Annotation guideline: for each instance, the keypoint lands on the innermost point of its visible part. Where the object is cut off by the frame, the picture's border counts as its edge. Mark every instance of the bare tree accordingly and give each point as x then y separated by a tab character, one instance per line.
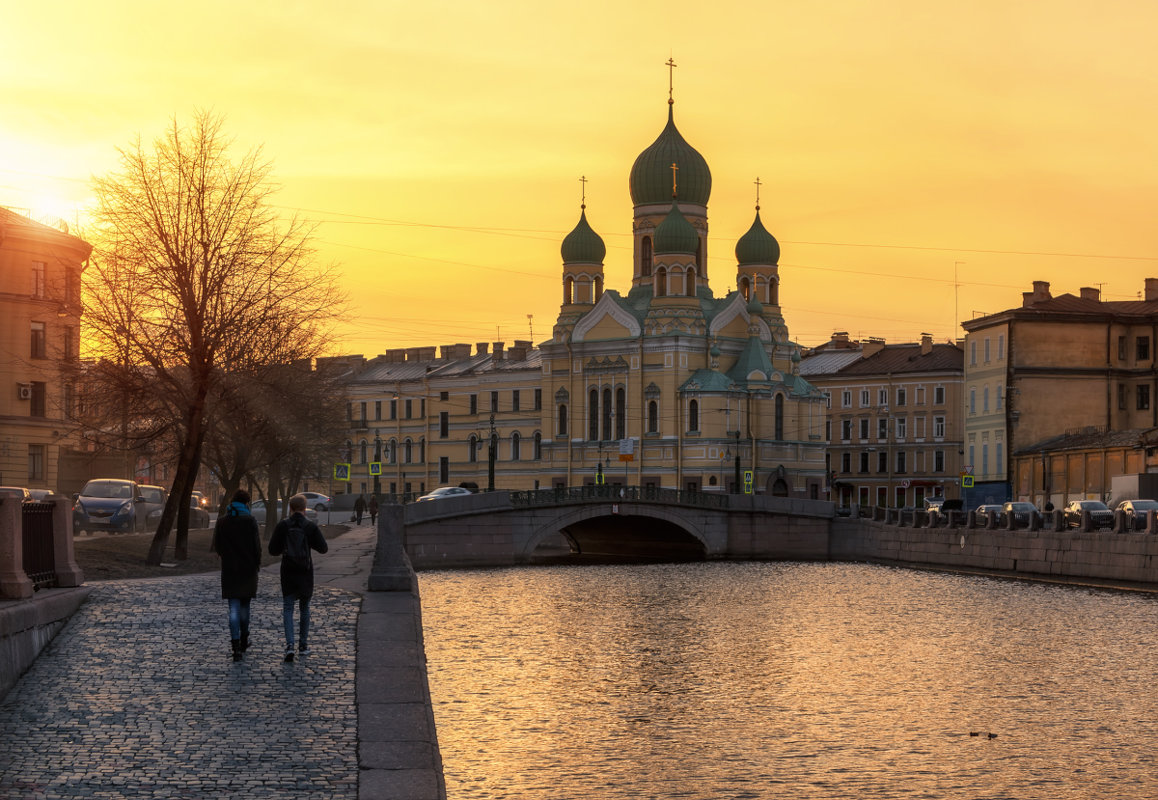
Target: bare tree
194	276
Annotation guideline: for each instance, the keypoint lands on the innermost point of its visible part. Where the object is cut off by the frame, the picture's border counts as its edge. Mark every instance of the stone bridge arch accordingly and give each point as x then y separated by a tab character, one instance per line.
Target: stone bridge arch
561	518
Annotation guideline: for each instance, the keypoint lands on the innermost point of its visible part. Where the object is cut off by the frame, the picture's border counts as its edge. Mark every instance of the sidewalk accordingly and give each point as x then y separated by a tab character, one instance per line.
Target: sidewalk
137	697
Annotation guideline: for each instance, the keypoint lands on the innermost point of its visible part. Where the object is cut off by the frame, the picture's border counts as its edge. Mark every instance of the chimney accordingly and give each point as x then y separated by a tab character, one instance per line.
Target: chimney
1091	293
1040	292
518	351
395	356
498	351
871	346
926	343
839	340
482	348
1151	289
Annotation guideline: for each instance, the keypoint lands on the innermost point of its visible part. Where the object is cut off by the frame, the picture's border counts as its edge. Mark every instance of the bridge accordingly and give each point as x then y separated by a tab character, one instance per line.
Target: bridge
612	523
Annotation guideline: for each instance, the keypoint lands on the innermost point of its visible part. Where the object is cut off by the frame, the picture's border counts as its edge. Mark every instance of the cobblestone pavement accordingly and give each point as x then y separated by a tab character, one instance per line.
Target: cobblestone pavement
138	697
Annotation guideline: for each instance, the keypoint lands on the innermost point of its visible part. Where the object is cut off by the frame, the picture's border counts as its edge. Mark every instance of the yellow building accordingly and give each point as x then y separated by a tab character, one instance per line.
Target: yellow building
665	385
40	271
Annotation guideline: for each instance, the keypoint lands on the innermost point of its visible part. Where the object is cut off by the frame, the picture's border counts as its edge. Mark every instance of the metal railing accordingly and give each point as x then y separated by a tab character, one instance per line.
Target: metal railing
38	546
618	494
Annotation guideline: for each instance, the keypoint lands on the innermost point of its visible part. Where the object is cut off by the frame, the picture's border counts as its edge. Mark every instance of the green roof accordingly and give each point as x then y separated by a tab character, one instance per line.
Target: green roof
757	246
676	235
651	174
583	245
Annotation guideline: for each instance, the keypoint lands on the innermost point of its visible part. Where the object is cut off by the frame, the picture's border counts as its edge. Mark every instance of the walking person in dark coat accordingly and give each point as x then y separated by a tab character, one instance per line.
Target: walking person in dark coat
293	539
359	508
372	507
237	541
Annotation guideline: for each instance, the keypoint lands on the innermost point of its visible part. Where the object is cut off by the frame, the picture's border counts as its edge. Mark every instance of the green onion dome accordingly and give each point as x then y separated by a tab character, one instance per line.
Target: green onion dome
583	245
675	235
651	174
755	307
757	246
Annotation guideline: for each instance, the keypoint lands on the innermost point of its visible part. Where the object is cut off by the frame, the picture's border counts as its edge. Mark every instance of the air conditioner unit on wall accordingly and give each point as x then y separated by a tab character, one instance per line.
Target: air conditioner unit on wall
24	391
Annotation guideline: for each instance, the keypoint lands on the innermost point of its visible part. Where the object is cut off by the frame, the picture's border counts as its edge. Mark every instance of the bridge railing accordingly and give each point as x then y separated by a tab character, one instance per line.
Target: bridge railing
618	494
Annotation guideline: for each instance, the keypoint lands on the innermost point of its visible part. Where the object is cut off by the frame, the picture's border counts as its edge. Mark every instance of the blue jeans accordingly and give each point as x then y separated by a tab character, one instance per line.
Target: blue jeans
238	616
287	612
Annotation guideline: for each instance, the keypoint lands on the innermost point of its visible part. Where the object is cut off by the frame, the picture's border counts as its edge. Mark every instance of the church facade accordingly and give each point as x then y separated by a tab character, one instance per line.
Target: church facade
664	385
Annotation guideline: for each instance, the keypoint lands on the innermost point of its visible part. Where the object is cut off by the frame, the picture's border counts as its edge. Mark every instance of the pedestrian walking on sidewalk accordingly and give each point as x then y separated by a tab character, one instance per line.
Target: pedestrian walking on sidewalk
359	508
237	542
372	507
293	539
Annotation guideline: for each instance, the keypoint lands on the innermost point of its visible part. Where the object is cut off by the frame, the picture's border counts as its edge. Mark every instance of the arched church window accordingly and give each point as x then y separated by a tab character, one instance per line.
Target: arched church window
538	454
472	443
690	282
652	417
774	292
779	417
746	288
593	415
393	451
408	452
516	446
645	257
660	282
362	452
693	415
562	419
607	413
568	290
598	287
620	413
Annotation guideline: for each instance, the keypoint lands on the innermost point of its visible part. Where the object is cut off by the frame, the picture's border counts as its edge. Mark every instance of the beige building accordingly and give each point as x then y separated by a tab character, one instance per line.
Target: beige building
1055	374
40	306
663	385
894	424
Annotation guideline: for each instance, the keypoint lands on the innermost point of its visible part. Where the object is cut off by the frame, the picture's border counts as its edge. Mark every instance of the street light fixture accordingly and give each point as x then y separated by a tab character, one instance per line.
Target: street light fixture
491	457
378	461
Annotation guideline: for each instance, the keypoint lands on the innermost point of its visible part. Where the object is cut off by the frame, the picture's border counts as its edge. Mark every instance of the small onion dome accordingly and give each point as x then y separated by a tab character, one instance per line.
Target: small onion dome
757	246
675	235
583	245
651	177
796	356
714	352
755	306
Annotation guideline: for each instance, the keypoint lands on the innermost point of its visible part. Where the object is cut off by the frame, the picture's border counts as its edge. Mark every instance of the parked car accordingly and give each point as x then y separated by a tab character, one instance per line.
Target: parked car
109	504
986	509
1021	512
198	514
443	492
155	497
42	495
1135	511
317	501
1100	515
258	509
25	495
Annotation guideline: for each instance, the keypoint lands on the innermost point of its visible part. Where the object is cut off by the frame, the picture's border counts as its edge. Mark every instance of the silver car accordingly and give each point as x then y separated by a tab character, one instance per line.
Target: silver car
1135	511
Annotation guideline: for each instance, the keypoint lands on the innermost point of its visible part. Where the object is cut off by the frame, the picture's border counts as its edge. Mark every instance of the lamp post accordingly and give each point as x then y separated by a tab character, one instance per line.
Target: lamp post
491	457
378	461
738	484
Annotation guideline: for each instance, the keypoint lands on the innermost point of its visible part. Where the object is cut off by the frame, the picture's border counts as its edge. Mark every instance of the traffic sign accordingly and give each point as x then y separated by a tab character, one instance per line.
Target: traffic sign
341	472
748	481
375	467
966	481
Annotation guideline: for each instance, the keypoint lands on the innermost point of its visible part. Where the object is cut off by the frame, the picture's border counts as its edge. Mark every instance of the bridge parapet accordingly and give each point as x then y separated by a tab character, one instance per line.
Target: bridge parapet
618	494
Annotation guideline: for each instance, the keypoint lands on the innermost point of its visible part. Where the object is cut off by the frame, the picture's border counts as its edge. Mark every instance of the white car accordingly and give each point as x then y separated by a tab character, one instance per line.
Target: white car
317	501
444	491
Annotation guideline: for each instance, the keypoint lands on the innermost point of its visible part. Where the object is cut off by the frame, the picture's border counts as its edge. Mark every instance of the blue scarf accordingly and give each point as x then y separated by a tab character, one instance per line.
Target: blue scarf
238	509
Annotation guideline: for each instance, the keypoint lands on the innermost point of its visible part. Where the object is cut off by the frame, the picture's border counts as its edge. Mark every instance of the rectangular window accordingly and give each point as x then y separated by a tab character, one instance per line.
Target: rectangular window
864	428
919	427
39	348
1001	347
39	403
827	399
984	459
828	430
938	427
1143	348
902	396
985	400
494	401
38	272
920	395
997	453
377	409
443	424
864	462
986	349
1143	397
938	461
972	352
444	470
514	400
363	417
538	399
1000	396
350	411
422	408
473	404
846	462
882	461
1121	348
846	429
70	344
939	396
35	462
444	396
409	409
901	463
882	397
882	427
846	399
972	400
394	409
864	398
902	425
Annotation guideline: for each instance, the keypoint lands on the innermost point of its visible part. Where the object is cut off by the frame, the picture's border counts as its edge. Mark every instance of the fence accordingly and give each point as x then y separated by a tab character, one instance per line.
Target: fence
39	555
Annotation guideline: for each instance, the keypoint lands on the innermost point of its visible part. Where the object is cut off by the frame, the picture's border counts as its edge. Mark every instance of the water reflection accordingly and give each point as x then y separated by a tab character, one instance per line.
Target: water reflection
787	680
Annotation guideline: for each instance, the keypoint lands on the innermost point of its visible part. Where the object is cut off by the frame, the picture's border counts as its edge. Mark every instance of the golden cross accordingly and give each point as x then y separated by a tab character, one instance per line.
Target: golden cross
757	193
674	169
670	67
583	181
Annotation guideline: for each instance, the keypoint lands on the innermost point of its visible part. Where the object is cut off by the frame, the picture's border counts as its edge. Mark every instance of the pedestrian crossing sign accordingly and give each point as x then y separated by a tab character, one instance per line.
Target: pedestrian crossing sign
966	481
375	467
341	472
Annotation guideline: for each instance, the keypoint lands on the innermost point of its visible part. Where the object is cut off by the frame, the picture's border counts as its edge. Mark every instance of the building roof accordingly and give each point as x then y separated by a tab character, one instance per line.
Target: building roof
1093	438
757	246
1069	305
827	362
901	358
651	174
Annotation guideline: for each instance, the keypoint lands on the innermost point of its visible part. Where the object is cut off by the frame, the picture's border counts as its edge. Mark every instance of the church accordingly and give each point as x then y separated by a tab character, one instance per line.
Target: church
664	385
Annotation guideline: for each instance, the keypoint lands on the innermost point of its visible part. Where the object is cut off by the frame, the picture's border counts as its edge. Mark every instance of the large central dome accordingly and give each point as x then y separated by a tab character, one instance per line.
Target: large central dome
651	174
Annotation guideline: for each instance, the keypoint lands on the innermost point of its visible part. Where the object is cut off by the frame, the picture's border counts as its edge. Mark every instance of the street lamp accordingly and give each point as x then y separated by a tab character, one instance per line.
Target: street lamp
738	484
491	457
378	461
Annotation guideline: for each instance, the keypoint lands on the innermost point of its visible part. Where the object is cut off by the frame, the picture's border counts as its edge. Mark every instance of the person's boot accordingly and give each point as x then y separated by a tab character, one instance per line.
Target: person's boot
244	638
236	649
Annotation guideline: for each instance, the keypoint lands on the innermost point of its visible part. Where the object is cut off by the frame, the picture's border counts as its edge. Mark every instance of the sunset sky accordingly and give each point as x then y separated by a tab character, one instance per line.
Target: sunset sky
440	144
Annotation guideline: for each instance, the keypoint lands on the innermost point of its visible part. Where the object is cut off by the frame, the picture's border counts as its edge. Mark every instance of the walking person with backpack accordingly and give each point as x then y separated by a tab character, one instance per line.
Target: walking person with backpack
237	542
293	539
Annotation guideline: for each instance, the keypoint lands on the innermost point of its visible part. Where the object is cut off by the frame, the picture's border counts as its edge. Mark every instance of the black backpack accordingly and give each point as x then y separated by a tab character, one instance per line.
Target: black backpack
297	544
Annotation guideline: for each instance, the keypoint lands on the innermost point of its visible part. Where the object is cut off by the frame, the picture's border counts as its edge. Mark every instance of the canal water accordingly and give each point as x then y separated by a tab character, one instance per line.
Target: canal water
788	680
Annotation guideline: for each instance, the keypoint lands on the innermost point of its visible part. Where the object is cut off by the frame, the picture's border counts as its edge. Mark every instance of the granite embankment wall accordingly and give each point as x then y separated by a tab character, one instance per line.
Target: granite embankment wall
1097	555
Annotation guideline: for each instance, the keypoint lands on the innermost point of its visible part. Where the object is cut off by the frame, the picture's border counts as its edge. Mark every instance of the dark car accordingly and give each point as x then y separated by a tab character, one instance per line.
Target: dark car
1135	511
1101	517
198	515
988	509
1021	512
443	492
109	504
